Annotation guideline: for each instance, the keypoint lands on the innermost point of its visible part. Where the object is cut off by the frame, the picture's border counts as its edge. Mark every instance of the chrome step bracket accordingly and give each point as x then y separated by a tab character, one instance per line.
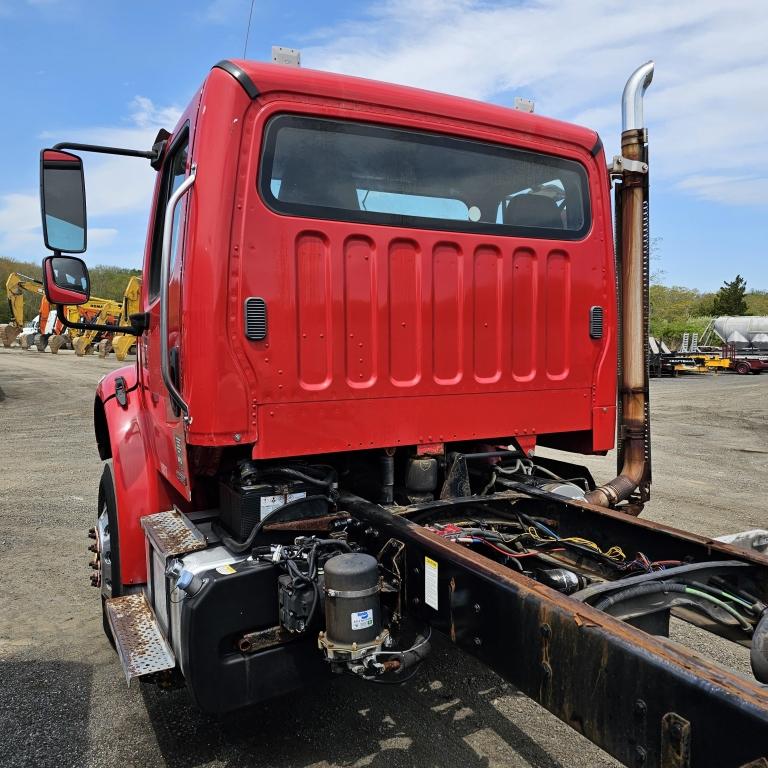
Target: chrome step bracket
171	533
140	644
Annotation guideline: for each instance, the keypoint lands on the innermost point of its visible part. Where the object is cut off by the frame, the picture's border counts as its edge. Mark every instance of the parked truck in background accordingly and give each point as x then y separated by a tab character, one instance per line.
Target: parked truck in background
363	308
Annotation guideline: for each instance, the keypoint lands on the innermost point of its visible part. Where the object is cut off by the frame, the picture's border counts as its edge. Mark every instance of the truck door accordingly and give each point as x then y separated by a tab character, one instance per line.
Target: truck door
167	422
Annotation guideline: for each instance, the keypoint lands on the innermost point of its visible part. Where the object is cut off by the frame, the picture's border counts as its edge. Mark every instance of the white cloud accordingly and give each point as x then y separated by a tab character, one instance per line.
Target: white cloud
706	108
226	12
737	190
114	185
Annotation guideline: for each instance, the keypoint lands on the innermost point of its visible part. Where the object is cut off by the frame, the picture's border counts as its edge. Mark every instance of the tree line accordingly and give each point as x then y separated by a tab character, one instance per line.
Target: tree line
106	283
675	310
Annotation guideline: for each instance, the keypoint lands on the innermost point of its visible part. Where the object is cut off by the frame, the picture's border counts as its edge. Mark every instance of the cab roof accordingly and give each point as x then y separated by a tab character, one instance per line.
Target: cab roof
260	78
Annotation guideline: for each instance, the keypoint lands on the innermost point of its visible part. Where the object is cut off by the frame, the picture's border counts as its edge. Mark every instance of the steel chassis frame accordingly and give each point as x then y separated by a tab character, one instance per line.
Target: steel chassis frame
645	700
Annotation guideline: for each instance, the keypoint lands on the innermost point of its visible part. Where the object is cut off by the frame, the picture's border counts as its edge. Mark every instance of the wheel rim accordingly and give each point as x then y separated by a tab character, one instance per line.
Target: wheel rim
104	551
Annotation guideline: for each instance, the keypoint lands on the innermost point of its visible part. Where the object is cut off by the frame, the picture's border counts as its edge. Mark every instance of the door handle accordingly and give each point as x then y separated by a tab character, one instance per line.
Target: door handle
165	269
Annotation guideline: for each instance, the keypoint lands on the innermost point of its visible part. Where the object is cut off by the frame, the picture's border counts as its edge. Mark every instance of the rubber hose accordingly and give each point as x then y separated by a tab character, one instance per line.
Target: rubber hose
758	653
325	482
640	589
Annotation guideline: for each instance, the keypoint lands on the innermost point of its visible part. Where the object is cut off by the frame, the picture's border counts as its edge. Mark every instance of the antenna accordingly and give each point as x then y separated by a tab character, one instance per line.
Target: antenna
248	30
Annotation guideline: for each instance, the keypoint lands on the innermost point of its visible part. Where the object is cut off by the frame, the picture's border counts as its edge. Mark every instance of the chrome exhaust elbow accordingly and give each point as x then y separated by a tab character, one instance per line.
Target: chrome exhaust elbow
632	98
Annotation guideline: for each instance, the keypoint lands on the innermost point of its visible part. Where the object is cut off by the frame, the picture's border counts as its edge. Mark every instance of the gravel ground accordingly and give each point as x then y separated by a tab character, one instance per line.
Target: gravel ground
63	699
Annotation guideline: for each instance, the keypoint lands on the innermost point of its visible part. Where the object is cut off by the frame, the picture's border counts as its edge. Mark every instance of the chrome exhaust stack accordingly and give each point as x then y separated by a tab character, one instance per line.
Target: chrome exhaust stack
632	98
632	484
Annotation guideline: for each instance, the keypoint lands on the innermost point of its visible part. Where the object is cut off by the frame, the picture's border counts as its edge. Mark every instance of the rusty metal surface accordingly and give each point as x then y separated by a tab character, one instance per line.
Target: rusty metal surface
675	741
319	523
611	682
140	645
251	642
172	534
633	480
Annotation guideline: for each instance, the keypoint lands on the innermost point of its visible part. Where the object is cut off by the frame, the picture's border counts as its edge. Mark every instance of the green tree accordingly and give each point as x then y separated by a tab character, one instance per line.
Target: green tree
757	303
731	298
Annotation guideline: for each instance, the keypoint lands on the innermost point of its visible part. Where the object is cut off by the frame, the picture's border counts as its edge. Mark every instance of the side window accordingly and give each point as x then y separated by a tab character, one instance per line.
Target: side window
174	173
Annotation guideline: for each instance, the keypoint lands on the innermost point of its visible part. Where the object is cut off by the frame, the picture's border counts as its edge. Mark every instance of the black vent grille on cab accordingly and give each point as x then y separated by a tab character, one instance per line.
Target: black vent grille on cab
596	323
255	319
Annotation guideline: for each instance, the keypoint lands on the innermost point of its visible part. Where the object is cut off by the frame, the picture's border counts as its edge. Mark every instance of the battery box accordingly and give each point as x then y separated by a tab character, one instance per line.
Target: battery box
241	507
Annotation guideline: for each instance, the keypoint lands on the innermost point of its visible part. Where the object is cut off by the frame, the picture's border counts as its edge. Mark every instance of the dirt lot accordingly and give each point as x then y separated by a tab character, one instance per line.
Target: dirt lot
63	699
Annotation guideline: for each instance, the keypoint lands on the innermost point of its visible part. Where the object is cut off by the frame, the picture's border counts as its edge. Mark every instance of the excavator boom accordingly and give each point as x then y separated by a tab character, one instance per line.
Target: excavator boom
15	287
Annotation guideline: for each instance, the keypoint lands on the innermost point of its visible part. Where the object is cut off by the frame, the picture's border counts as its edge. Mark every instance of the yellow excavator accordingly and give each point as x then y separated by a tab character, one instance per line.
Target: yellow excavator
95	310
121	343
15	286
99	311
48	330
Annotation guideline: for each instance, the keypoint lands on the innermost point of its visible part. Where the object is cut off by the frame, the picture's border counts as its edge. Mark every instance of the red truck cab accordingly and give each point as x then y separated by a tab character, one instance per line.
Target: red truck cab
362	266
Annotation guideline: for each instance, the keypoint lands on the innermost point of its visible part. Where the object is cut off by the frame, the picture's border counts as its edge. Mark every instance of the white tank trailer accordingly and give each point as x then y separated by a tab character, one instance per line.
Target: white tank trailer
742	331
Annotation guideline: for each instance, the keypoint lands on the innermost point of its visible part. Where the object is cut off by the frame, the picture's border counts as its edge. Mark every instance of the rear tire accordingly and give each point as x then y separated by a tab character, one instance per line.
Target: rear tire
743	368
108	544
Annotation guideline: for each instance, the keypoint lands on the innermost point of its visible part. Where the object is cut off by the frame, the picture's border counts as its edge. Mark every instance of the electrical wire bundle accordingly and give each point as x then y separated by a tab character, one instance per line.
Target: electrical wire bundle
534	538
301	561
642	563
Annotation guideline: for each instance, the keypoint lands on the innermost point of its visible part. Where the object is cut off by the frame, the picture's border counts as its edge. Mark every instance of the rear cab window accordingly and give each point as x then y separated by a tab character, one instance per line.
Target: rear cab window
338	169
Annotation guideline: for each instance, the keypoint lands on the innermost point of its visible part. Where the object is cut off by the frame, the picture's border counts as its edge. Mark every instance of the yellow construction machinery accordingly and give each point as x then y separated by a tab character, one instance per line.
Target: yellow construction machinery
121	343
99	311
15	286
49	331
46	329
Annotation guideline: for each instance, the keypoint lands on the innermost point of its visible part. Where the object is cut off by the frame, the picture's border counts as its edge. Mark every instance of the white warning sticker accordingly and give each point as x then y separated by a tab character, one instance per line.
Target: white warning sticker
430	582
271	503
362	619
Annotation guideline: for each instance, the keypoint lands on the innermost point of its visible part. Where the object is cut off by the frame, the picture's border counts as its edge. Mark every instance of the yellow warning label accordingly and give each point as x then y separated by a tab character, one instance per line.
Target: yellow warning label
225	569
430	582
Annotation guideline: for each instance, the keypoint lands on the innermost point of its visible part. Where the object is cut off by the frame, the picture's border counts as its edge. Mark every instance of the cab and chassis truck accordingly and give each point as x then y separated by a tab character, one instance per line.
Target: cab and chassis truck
363	308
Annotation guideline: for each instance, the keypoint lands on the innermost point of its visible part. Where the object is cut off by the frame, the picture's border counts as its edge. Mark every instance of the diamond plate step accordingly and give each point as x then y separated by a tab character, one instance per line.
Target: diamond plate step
171	533
140	644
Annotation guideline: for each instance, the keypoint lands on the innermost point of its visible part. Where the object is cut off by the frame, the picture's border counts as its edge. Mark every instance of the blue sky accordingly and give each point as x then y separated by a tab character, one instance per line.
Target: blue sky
111	72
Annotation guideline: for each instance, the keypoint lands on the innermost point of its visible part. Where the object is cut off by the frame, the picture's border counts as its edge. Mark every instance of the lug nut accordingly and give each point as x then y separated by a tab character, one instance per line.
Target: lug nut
92	548
91	533
95	579
94	563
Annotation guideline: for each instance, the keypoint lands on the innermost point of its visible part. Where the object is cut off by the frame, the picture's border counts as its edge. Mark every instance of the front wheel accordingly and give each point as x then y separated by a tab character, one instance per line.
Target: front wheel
107	561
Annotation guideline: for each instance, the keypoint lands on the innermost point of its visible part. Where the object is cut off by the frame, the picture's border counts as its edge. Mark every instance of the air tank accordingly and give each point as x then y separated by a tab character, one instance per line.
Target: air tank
352	605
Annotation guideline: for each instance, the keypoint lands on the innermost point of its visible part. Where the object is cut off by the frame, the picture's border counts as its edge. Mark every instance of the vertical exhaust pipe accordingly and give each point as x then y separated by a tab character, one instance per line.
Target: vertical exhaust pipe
632	228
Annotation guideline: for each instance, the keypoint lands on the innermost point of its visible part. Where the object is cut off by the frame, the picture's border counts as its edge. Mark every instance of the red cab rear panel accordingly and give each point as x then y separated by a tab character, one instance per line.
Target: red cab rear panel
383	335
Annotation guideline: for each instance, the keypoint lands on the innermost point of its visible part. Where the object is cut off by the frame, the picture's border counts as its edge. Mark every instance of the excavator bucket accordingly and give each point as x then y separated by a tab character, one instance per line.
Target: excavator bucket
55	343
82	346
122	345
105	347
9	334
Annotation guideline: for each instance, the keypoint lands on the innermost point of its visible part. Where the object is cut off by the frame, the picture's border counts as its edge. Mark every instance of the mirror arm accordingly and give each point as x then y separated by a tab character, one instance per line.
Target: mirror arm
131	330
151	154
